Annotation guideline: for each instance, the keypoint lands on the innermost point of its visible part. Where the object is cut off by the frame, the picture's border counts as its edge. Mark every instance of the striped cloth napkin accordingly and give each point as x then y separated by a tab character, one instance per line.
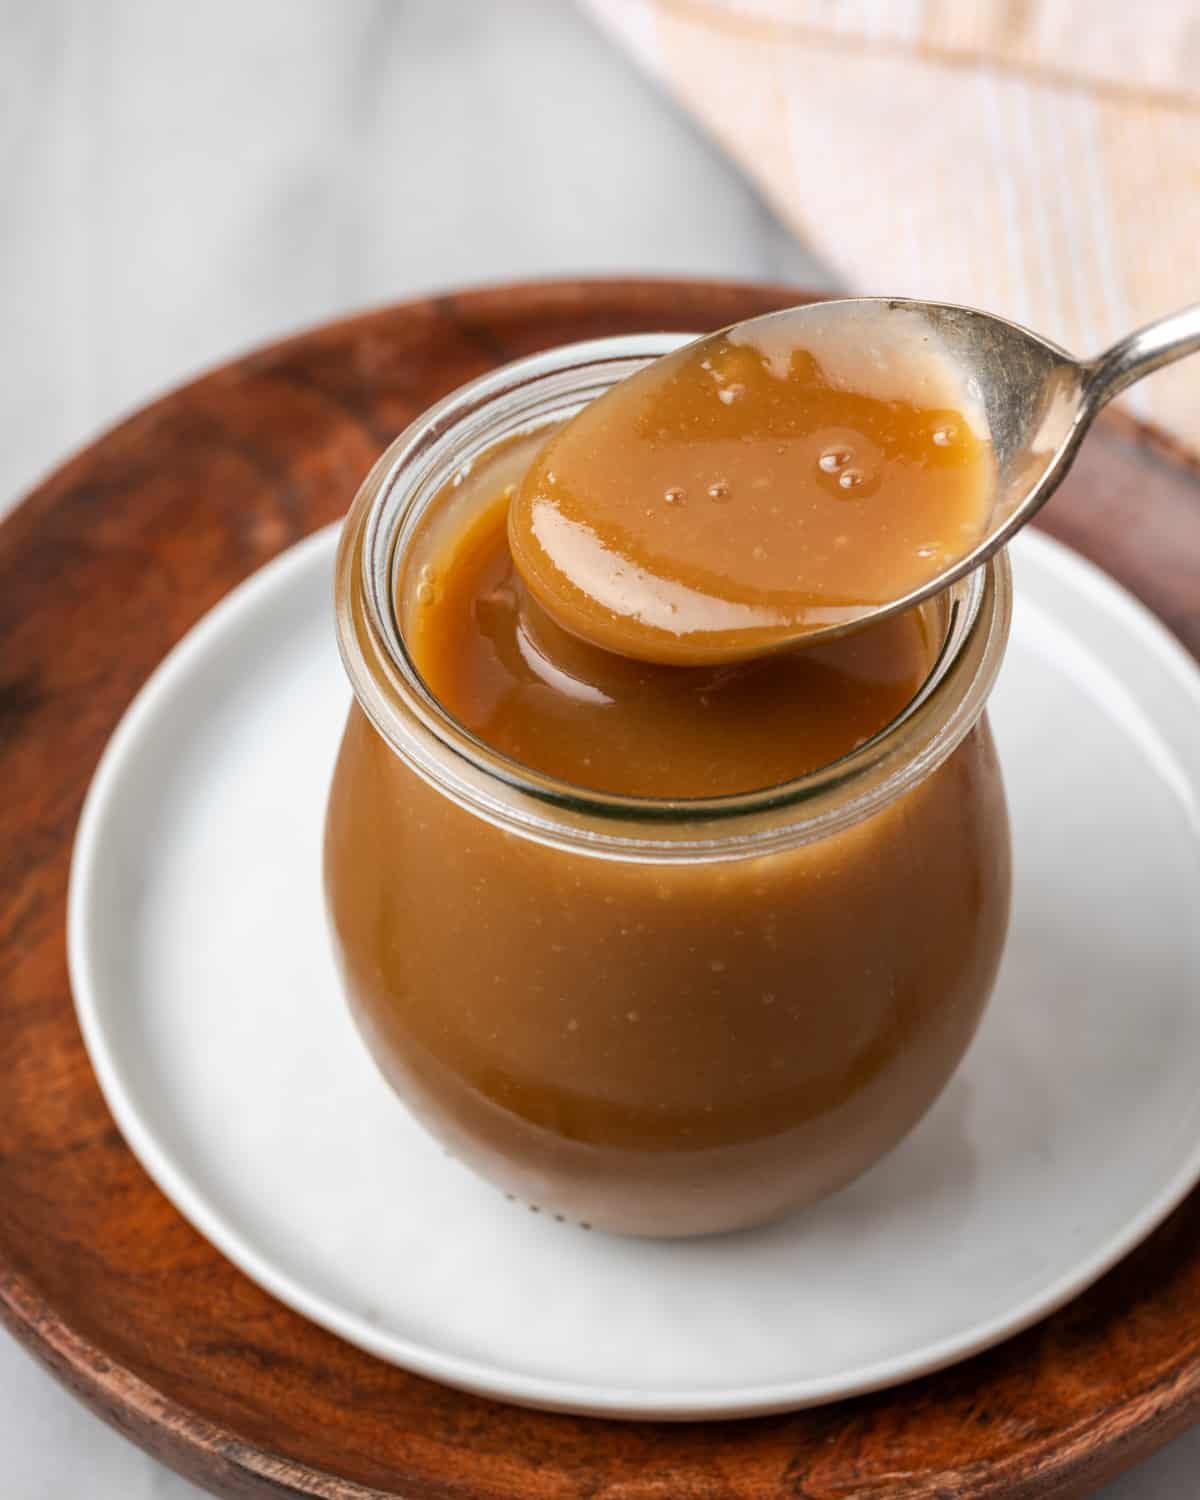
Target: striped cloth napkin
1037	158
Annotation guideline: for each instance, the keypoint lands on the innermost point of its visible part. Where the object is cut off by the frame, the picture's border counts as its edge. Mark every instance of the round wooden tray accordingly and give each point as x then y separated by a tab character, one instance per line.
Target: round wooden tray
103	569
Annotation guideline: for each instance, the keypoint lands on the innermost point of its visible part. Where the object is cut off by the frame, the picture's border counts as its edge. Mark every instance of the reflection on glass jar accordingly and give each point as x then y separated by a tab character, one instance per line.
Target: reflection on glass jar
652	1016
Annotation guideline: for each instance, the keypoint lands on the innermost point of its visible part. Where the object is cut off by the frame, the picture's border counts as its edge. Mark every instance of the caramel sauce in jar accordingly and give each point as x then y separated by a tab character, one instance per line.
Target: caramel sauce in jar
661	950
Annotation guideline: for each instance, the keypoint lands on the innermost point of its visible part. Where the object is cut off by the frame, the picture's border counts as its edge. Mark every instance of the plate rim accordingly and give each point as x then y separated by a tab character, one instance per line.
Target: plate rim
481	1377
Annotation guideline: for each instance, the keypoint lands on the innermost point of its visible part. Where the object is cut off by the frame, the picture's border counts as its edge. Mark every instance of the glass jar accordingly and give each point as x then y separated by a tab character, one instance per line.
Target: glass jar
659	1017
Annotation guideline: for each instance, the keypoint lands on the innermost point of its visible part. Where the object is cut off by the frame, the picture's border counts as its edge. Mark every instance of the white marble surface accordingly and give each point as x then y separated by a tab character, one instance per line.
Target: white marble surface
178	182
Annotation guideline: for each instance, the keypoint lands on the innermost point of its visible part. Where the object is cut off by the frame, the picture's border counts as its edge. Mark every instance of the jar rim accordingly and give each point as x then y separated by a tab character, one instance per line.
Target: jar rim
542	389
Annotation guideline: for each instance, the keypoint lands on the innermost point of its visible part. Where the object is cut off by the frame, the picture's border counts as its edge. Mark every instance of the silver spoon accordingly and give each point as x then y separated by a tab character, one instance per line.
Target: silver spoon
1039	402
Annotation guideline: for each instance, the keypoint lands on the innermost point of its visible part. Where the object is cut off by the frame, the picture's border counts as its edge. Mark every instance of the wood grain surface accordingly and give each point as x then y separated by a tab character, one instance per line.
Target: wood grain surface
102	570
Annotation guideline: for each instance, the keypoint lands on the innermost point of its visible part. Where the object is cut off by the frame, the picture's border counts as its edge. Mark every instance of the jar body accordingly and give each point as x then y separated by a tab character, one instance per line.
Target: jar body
666	1048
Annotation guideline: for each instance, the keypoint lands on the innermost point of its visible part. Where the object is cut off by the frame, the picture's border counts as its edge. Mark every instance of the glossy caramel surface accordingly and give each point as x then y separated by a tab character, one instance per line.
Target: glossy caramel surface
753	486
519	682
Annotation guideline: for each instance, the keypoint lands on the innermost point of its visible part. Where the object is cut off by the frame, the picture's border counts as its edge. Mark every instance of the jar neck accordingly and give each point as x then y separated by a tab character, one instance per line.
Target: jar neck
544	390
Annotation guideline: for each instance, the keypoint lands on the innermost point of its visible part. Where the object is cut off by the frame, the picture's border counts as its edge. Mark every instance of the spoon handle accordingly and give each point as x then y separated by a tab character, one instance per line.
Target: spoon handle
1147	349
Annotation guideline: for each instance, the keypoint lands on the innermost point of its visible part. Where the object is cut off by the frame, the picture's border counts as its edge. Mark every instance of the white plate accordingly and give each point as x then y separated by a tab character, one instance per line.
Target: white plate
208	999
